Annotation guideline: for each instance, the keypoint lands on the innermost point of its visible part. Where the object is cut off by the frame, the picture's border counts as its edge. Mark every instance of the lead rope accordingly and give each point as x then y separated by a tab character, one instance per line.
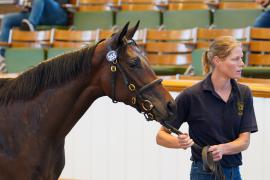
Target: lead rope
208	163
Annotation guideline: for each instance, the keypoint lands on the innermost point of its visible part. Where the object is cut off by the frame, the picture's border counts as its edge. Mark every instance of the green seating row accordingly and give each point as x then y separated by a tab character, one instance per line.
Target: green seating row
181	19
21	59
166	70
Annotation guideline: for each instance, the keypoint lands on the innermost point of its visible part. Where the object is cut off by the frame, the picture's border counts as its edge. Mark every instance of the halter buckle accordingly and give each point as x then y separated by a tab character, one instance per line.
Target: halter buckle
133	100
149	116
147	105
131	87
113	68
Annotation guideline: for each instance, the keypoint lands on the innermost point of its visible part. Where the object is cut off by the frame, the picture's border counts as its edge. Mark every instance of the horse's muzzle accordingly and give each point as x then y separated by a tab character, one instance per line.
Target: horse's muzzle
171	108
170	112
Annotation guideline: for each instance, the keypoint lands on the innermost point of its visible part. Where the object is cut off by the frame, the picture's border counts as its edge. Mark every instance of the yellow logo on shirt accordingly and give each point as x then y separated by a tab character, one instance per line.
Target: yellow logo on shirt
240	108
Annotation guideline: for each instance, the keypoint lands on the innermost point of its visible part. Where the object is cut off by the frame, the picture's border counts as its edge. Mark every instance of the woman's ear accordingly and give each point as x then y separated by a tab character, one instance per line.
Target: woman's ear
216	61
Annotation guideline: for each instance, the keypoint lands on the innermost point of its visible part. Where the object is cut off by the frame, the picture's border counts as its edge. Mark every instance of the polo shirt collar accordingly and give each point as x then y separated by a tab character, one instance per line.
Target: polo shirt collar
207	85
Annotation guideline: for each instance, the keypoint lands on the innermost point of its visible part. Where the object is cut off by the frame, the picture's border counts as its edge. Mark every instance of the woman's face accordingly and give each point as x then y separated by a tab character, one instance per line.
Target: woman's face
232	65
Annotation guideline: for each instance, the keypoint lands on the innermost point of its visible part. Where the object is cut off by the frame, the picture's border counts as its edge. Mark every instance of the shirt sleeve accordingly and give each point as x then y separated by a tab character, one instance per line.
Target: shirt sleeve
182	108
248	123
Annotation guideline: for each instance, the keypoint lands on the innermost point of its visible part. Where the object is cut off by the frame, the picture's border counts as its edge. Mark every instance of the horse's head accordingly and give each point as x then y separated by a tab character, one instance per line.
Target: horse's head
130	79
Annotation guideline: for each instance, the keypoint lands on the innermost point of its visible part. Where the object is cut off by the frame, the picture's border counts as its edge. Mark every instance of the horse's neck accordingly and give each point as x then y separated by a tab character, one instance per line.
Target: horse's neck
67	104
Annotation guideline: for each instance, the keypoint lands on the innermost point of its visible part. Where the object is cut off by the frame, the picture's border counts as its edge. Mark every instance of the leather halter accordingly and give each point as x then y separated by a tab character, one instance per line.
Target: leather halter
143	105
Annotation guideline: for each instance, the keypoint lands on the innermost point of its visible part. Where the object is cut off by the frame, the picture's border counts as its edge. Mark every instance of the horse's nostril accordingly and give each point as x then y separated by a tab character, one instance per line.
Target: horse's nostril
171	107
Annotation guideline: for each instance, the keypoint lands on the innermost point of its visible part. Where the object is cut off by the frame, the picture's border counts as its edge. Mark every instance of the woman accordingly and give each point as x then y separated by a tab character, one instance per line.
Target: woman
218	110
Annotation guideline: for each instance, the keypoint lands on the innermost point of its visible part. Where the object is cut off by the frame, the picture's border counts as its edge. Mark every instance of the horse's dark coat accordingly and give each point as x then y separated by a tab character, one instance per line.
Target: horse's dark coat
40	107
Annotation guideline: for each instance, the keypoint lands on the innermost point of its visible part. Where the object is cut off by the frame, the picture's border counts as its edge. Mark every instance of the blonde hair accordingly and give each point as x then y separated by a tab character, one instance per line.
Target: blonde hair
220	47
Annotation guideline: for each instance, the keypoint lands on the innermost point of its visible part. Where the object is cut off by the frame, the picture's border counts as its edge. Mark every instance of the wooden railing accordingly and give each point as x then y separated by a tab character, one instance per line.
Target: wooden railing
259	87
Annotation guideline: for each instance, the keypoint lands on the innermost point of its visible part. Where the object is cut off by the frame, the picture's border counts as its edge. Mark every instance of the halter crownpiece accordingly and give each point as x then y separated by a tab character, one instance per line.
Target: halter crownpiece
111	56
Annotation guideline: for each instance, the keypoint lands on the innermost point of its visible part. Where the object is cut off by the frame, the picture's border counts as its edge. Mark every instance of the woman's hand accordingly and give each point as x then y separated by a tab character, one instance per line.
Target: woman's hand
217	152
185	141
238	145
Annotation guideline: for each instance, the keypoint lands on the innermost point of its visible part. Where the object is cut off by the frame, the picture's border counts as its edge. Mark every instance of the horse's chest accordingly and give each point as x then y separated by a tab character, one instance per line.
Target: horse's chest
33	163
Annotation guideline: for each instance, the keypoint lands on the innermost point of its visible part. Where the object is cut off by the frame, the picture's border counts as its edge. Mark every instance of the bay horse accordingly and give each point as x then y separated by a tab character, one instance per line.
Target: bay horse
41	106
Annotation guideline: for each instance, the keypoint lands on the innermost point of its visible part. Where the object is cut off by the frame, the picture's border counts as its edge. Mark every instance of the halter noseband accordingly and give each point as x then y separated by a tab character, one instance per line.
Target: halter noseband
141	104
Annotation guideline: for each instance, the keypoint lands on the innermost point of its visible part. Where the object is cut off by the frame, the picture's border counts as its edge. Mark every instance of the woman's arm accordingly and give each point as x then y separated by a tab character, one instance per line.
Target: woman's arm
164	138
234	147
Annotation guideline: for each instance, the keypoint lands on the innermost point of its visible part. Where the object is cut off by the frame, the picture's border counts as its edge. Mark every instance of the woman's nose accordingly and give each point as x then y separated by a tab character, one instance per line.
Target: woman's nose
242	64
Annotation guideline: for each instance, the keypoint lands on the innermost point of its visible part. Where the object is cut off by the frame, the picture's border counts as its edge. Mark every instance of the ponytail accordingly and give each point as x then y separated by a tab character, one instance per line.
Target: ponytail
205	62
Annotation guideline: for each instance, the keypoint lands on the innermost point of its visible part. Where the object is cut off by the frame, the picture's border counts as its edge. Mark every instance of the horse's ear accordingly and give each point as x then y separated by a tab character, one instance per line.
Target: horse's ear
132	31
119	36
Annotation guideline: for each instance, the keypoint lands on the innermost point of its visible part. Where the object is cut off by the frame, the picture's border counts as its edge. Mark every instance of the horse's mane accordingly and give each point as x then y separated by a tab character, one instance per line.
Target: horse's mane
47	74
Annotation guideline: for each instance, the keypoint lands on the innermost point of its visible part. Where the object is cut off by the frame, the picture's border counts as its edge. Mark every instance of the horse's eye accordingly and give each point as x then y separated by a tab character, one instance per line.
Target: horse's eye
134	62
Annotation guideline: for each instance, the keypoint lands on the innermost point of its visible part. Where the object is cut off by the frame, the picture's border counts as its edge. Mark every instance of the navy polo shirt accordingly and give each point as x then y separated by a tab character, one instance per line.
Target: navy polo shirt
213	121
